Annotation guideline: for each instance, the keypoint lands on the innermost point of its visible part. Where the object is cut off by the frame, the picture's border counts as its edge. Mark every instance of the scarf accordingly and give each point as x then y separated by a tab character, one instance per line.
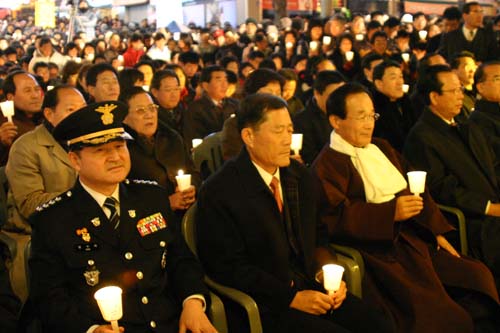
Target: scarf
381	179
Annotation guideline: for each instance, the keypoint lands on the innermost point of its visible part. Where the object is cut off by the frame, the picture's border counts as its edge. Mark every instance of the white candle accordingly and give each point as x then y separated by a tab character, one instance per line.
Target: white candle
327	40
196	142
349	55
313	45
119	68
416	180
422	34
109	300
405	56
289	45
90	56
183	180
332	277
145	87
7	109
406	88
78	60
120	58
360	37
296	144
49	88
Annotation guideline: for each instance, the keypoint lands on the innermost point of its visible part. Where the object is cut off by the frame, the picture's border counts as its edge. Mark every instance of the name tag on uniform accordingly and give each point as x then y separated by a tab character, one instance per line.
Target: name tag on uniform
151	224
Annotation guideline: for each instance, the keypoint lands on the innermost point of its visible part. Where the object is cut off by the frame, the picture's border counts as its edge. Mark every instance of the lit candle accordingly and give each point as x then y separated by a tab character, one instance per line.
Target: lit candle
416	180
422	34
405	56
406	88
289	45
332	277
49	88
349	55
360	37
183	180
313	45
145	87
109	300
327	40
120	58
196	142
296	144
7	109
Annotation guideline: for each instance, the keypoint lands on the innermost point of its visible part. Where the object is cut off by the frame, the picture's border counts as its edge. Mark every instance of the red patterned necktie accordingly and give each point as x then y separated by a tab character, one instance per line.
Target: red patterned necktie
275	188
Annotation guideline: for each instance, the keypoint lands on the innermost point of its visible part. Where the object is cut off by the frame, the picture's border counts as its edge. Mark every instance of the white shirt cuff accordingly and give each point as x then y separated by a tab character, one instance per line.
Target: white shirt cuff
197	296
92	328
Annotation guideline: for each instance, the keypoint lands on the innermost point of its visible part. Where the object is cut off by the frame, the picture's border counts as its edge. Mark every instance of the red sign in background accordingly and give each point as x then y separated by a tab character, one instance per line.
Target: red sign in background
294	5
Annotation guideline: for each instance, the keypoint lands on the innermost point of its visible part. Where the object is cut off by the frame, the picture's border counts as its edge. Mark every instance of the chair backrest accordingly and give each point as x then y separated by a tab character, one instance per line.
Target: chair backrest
189	228
207	156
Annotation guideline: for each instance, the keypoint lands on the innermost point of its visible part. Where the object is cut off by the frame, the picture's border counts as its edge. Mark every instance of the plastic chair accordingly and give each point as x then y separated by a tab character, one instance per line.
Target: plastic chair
462	227
239	297
354	266
207	157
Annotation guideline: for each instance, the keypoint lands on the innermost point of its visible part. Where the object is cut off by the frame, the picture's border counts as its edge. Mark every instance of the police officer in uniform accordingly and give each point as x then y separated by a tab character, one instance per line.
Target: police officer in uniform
108	230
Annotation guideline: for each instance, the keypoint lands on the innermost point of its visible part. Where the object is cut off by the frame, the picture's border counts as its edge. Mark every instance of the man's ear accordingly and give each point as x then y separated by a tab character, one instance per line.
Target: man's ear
432	96
378	84
334	121
74	159
247	136
91	90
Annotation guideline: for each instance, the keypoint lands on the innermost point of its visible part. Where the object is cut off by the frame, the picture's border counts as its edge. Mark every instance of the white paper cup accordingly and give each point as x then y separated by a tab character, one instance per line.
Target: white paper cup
416	181
296	144
7	109
360	37
406	88
405	56
183	181
109	300
349	55
289	45
49	88
145	87
196	142
332	277
327	40
422	34
313	45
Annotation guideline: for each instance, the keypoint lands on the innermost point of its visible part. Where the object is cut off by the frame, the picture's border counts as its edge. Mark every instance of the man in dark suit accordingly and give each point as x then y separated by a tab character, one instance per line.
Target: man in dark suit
207	114
258	231
487	109
312	122
471	36
459	162
106	231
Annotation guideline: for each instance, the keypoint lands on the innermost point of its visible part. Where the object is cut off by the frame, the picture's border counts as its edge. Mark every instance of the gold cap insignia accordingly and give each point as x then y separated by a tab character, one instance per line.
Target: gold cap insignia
107	116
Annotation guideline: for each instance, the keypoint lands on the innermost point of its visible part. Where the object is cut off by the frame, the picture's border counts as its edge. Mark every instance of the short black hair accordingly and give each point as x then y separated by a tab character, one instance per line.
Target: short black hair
325	78
452	13
268	63
373	25
160	75
129	93
260	78
377	34
189	57
40	64
379	70
366	63
467	6
128	77
52	97
206	72
97	69
232	78
224	61
254	107
455	59
336	103
480	75
428	81
256	54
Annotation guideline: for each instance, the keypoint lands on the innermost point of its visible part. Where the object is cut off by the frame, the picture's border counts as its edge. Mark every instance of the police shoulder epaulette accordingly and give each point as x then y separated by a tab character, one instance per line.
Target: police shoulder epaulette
141	181
53	201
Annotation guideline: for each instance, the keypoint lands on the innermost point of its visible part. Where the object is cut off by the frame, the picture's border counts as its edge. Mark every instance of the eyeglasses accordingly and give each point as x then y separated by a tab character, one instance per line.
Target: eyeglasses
171	90
151	108
367	117
455	91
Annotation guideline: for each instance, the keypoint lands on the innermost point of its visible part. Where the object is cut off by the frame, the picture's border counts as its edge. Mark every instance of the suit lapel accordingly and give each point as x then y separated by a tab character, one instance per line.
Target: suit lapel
92	215
290	187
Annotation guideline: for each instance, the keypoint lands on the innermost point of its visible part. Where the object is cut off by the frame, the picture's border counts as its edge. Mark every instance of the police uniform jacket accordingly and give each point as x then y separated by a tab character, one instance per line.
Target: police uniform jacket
76	251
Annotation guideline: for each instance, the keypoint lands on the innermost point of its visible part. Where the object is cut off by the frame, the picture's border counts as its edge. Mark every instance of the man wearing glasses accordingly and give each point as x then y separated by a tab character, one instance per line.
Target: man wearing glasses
472	36
460	163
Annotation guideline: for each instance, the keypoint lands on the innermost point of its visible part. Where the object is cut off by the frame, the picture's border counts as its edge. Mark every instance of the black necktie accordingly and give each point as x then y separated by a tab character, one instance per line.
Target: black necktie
111	204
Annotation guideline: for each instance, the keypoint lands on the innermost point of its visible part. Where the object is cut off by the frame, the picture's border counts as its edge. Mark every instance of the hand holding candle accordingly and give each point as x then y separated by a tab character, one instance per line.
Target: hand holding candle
296	145
416	180
183	180
109	300
7	109
332	277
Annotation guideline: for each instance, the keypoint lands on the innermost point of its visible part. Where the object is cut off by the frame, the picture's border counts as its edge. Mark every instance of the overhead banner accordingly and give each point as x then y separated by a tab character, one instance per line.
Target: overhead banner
45	13
293	5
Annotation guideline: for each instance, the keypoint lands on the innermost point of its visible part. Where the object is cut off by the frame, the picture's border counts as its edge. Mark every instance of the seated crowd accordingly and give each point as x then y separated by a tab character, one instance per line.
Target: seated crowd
103	129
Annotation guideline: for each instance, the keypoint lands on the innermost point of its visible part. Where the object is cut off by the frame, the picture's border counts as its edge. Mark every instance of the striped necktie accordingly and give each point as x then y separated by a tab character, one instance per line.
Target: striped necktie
112	204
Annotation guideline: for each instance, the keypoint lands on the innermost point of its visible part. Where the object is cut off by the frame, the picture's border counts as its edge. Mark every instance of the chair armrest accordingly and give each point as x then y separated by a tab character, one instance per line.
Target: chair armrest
217	313
242	299
352	275
351	253
462	227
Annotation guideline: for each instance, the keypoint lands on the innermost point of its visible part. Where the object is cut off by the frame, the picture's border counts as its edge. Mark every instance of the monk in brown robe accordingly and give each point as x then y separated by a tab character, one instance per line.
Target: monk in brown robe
412	272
